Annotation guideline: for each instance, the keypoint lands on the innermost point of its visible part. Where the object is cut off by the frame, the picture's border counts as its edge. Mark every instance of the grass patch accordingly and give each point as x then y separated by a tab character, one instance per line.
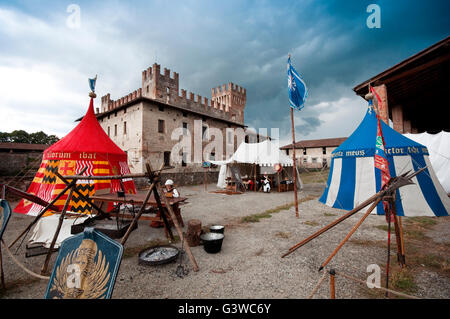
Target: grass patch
254	218
422	221
402	281
281	234
329	214
310	223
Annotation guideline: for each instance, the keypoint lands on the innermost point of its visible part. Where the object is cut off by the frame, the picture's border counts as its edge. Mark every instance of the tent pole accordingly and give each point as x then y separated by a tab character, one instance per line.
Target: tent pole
294	169
402	240
254	179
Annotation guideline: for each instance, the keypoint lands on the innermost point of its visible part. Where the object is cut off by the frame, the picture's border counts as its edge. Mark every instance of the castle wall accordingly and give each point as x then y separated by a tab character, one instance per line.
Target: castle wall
130	140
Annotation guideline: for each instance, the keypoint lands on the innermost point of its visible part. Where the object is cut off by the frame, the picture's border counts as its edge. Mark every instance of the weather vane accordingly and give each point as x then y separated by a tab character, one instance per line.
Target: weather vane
92	87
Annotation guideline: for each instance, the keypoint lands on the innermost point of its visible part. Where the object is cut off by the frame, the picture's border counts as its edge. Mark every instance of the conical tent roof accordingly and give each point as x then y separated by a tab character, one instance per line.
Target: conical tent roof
87	139
87	145
353	177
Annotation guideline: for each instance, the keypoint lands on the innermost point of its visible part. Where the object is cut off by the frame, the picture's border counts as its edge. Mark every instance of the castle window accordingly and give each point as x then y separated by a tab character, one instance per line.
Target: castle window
124	128
205	133
160	126
148	88
115	114
161	108
212	156
168	90
115	129
185	128
167	158
184	160
124	110
324	150
108	131
287	151
304	151
185	114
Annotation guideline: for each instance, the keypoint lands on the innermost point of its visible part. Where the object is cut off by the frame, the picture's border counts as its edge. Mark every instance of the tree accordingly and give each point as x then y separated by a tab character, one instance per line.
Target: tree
20	136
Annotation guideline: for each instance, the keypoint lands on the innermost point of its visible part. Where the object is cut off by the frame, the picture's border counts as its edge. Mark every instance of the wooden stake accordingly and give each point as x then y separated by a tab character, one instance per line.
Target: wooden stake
294	168
402	241
55	236
332	284
348	235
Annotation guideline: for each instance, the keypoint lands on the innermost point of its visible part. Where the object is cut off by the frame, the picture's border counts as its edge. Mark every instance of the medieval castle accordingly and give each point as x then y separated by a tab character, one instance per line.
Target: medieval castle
141	123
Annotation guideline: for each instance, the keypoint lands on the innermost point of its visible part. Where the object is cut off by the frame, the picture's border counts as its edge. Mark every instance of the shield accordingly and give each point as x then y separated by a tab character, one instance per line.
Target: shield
86	267
5	214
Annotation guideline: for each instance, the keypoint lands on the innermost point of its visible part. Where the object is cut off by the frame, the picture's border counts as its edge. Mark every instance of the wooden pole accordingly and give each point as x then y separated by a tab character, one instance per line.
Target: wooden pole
138	215
294	168
55	236
388	251
402	240
2	275
332	284
398	239
85	198
348	235
72	183
334	223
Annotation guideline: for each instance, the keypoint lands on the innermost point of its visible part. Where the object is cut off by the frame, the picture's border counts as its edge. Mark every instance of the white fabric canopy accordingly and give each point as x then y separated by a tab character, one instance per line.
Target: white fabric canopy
438	146
45	229
265	153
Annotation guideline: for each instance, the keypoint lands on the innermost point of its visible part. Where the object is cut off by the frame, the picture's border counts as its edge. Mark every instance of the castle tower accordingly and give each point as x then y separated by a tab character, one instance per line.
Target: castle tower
233	97
159	86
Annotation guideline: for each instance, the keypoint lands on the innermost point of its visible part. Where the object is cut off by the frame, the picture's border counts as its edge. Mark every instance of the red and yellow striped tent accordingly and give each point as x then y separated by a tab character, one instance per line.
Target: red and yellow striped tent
86	145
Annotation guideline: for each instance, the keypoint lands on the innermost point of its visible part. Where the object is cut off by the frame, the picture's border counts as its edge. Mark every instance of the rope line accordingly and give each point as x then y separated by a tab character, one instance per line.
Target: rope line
378	287
21	265
319	283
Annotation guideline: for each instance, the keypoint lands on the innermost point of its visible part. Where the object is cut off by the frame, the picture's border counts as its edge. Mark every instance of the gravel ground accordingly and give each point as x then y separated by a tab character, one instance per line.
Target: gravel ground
249	264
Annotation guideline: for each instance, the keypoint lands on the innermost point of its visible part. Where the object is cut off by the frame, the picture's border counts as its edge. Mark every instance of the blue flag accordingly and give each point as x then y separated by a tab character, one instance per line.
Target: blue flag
92	83
298	92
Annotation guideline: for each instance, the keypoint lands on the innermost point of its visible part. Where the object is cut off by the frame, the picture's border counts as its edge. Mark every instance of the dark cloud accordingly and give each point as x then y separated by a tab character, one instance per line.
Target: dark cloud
210	43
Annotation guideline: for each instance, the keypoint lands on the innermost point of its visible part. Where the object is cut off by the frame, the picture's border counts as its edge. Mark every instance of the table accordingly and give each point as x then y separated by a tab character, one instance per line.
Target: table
138	199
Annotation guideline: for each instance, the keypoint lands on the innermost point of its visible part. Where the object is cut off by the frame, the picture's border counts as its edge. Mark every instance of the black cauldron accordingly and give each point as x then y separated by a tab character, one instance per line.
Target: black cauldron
212	242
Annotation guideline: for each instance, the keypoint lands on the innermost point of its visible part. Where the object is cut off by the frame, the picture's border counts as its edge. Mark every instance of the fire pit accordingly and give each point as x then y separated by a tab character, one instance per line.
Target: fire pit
158	255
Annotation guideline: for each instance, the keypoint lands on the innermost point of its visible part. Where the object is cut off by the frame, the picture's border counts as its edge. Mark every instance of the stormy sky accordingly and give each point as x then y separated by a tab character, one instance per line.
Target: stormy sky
45	59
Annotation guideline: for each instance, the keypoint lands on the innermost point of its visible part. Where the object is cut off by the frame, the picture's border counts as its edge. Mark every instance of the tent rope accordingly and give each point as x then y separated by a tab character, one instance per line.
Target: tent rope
378	287
21	265
319	283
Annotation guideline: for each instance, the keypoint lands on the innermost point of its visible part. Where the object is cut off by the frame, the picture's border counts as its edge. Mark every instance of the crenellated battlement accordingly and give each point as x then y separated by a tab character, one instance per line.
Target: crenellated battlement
227	101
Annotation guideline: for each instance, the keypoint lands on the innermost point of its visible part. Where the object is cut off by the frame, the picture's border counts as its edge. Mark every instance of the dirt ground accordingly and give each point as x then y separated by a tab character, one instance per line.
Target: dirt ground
259	228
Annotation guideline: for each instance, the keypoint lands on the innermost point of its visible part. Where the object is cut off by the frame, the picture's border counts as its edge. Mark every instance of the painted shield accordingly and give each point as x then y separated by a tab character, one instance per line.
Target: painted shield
86	267
5	214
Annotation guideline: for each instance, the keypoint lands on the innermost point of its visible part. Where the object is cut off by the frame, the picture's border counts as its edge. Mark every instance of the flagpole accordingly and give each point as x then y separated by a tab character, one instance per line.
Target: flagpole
294	166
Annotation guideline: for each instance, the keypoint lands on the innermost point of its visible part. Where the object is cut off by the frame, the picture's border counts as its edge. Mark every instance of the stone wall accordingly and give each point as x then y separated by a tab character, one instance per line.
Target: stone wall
181	179
13	163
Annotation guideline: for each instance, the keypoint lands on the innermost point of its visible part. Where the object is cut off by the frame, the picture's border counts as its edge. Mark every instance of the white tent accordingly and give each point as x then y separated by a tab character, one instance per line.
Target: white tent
266	153
438	146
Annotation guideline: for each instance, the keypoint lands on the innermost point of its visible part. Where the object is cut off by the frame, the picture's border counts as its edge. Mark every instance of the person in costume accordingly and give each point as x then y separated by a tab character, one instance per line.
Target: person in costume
266	184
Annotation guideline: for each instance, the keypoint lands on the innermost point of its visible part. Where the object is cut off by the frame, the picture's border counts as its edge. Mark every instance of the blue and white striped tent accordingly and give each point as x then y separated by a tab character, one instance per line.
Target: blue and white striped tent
353	177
